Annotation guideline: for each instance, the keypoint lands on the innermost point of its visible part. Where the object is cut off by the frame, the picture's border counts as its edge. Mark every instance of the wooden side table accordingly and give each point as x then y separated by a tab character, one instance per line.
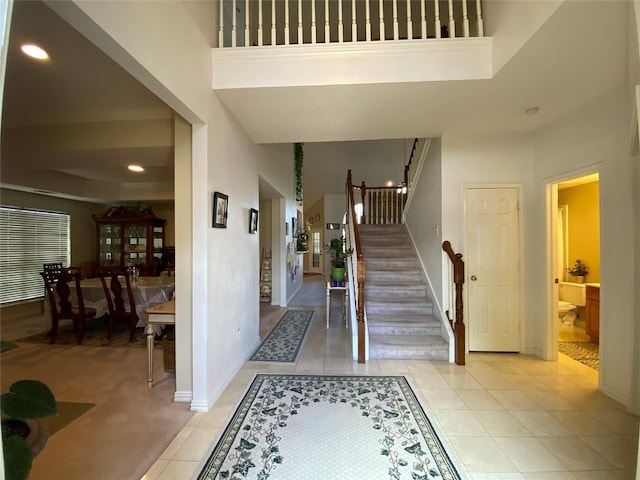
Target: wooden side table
344	289
163	314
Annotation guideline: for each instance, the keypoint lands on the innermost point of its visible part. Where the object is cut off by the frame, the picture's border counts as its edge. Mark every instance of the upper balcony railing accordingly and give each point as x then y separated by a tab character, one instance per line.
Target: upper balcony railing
296	22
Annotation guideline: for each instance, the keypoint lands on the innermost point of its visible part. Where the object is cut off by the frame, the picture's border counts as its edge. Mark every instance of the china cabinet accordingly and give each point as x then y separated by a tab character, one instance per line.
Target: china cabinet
127	237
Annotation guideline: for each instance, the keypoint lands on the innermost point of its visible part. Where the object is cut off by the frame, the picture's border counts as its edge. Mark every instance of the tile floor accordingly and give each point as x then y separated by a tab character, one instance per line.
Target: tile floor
505	416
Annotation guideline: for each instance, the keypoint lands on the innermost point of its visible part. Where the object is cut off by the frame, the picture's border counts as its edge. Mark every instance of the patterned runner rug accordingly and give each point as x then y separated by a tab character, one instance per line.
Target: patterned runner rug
586	353
329	427
284	342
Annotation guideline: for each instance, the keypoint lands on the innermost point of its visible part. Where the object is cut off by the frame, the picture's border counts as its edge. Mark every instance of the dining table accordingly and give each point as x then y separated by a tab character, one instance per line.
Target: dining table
147	292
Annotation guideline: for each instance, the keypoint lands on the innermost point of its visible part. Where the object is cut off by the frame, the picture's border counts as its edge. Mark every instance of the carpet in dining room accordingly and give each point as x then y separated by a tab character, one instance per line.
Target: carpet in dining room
330	426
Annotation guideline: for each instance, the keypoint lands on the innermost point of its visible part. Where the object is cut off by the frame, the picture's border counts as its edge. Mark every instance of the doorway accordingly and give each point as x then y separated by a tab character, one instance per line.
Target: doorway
316	260
576	249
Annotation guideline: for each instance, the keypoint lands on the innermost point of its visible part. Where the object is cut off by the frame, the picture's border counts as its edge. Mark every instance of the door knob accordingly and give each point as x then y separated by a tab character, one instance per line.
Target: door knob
474	278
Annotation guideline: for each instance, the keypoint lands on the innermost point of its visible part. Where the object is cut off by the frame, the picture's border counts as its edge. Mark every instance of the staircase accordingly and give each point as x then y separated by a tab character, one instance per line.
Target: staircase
399	312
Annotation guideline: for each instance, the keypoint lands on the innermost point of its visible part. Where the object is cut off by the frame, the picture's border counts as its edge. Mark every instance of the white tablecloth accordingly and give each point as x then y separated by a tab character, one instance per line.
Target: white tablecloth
147	292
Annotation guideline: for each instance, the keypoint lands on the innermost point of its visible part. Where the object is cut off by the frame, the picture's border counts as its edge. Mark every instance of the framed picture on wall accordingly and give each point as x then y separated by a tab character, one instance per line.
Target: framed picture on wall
253	220
220	210
294	227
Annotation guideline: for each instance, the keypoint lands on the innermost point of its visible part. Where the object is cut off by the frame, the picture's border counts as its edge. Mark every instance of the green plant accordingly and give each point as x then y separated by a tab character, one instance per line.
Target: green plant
337	251
26	400
298	170
579	269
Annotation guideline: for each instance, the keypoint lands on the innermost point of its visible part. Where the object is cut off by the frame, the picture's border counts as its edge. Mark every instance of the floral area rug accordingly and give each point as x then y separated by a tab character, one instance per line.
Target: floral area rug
284	342
586	353
329	427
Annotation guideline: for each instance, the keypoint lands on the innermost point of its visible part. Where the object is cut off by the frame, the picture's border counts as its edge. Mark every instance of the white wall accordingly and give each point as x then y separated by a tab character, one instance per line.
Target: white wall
596	137
424	219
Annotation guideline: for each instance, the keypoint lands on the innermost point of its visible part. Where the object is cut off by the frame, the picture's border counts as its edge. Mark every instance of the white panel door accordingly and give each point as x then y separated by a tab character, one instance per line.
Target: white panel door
492	279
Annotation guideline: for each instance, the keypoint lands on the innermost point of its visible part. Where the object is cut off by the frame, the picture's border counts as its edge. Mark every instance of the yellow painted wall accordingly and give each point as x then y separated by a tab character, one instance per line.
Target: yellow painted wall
583	226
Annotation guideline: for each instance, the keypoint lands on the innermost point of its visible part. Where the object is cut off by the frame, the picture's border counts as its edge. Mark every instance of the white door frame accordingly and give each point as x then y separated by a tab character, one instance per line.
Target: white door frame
550	346
519	188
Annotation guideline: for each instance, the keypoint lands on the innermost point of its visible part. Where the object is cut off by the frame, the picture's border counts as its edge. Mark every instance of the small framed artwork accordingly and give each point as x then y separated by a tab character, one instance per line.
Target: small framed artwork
286	228
310	220
253	220
317	217
294	227
220	210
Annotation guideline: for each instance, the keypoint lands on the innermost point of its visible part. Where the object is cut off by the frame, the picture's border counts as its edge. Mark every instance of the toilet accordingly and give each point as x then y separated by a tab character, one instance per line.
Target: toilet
570	297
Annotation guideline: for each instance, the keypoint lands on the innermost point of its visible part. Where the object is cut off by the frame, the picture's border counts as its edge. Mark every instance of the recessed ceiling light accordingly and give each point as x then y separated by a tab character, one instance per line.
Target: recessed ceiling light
34	51
135	168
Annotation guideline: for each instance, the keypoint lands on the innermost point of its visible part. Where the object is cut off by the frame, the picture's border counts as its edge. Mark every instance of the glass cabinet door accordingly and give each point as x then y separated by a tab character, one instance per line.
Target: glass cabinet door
135	244
158	242
109	253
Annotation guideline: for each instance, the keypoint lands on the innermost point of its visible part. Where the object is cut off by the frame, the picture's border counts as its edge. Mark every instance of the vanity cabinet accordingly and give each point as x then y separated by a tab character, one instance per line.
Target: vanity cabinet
127	237
593	313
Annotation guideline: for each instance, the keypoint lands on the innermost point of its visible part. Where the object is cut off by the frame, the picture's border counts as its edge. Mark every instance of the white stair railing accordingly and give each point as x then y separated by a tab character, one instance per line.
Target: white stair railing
345	21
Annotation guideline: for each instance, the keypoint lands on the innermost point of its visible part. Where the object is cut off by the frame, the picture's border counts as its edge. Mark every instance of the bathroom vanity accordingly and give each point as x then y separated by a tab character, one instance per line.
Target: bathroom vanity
593	312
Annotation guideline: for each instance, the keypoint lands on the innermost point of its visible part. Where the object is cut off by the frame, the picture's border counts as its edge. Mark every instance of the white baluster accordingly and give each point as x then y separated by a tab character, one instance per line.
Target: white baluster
395	19
260	23
381	14
314	28
465	19
327	32
286	22
480	21
300	37
273	22
452	22
423	21
221	31
354	25
247	40
368	20
340	26
233	24
438	24
409	21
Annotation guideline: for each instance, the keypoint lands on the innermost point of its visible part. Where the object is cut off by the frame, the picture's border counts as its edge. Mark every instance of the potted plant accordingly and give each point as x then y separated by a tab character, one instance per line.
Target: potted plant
23	436
338	257
578	271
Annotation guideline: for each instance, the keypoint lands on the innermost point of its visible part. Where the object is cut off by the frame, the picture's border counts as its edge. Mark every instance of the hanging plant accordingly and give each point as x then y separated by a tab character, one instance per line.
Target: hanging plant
298	171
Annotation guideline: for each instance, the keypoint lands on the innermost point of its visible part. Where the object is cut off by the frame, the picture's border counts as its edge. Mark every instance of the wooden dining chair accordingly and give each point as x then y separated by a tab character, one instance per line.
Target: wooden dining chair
116	295
52	268
65	297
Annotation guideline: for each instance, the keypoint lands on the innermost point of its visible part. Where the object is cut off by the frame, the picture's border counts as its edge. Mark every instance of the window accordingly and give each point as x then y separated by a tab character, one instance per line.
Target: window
29	238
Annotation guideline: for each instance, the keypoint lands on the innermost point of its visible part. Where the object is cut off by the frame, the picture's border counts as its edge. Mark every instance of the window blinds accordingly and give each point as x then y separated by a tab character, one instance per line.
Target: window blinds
29	238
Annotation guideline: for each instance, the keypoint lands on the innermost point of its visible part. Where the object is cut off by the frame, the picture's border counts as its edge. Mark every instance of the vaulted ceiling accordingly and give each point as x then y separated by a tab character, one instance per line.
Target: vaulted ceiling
71	125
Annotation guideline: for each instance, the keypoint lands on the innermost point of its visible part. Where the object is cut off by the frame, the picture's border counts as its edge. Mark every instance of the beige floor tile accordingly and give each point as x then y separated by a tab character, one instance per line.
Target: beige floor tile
430	380
479	400
529	454
614	449
197	445
179	470
482	455
514	400
576	454
497	476
549	476
443	399
493	381
463	381
459	422
550	400
580	423
542	424
501	423
604	475
156	470
620	422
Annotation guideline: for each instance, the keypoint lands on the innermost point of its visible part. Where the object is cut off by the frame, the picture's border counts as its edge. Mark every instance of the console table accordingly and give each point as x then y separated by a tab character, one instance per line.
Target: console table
162	314
344	289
